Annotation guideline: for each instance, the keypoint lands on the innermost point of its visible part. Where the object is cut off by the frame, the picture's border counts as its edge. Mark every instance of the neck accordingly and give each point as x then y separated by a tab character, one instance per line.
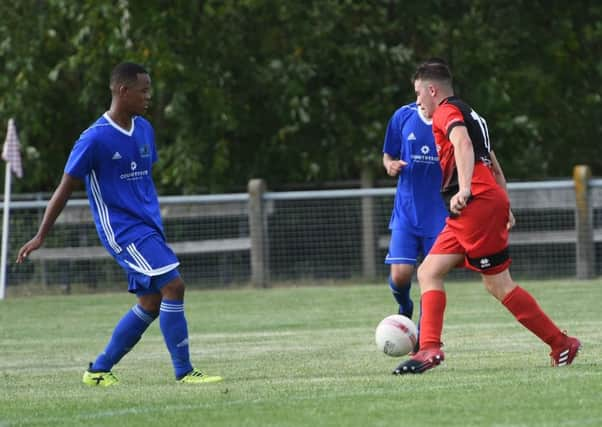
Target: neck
122	118
443	95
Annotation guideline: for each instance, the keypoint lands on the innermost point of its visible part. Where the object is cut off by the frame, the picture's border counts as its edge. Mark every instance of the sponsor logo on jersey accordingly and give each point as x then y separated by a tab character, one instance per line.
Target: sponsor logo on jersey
425	156
145	150
134	174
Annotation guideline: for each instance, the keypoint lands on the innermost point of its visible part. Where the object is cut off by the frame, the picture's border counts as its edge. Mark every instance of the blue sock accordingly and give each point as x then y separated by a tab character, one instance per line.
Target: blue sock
125	336
402	296
175	332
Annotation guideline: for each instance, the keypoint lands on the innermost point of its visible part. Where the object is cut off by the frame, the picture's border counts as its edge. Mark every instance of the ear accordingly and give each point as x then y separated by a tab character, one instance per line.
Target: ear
122	90
432	89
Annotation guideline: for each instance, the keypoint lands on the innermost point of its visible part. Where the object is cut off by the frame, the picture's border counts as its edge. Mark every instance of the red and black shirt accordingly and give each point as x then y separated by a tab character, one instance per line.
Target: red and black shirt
450	113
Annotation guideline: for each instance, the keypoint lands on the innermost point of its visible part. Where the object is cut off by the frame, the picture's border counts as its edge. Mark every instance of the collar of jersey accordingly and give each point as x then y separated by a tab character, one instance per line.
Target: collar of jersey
424	119
446	100
119	128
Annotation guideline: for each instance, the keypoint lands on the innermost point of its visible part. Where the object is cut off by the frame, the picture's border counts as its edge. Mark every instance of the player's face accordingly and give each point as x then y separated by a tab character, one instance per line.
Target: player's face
139	94
424	98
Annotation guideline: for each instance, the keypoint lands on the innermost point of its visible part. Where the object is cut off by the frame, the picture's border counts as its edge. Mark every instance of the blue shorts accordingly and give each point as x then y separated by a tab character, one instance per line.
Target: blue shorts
149	263
405	246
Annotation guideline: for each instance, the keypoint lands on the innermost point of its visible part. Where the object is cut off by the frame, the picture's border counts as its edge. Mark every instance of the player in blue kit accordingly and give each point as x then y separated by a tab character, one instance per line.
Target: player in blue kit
418	212
114	157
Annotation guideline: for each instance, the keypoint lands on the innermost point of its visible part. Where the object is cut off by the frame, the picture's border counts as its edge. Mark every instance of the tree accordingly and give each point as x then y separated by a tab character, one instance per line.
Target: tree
300	92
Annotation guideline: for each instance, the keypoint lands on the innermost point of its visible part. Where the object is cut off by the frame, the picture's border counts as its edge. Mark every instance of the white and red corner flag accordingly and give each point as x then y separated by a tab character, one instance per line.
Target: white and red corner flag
11	152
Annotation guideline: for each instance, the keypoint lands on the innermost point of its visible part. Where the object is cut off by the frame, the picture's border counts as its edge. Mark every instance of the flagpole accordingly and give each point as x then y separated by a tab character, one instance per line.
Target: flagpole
5	217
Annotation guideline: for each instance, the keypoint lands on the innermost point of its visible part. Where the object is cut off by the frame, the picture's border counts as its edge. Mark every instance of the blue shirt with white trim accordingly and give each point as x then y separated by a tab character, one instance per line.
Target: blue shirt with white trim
116	165
418	204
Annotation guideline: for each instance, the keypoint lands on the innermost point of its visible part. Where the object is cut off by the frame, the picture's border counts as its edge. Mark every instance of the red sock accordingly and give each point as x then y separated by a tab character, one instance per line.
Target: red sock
431	321
526	310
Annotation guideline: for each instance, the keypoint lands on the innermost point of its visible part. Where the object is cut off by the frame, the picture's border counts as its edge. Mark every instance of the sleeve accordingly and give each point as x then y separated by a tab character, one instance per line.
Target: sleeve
393	140
447	117
80	161
151	135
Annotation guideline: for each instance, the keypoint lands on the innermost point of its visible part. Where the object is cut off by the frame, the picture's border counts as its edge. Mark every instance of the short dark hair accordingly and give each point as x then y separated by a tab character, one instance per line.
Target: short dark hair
126	73
434	69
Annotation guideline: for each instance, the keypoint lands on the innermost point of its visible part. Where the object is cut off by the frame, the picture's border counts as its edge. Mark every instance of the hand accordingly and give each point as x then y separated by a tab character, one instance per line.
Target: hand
28	248
511	220
459	201
394	166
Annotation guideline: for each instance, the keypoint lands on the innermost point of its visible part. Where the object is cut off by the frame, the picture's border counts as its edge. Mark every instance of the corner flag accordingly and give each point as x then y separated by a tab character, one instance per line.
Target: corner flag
11	152
12	155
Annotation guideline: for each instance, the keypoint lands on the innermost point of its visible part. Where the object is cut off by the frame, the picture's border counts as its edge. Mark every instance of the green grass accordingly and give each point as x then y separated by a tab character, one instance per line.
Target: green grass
301	357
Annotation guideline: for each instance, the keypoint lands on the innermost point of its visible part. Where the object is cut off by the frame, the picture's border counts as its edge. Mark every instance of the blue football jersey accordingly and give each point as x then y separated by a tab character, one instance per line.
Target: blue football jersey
116	166
418	204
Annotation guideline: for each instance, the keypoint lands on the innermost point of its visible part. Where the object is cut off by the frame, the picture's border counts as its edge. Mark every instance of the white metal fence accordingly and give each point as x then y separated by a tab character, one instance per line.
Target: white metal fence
266	237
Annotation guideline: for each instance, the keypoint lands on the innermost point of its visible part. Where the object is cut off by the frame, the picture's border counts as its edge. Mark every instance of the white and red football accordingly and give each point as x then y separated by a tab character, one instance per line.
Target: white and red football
396	335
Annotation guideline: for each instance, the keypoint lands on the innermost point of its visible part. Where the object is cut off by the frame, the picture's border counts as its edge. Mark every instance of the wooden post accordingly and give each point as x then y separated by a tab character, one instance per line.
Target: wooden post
583	223
258	231
368	237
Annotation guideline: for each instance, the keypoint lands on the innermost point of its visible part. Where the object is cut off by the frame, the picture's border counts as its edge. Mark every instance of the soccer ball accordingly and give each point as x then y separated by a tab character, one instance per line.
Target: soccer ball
396	335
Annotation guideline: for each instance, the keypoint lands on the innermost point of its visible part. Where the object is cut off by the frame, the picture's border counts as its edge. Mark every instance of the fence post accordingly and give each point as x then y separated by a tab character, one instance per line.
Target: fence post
583	223
258	231
368	238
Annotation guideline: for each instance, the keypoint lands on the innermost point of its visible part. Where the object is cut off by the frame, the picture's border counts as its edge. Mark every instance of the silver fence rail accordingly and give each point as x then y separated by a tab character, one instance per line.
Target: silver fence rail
264	237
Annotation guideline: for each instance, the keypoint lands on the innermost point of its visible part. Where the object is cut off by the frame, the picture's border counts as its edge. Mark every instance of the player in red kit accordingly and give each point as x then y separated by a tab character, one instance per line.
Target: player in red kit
476	233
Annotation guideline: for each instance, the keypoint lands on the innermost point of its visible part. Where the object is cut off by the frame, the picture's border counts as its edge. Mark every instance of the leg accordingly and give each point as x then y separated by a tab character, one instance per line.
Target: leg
403	251
174	326
400	282
499	285
175	330
528	312
430	276
126	334
523	306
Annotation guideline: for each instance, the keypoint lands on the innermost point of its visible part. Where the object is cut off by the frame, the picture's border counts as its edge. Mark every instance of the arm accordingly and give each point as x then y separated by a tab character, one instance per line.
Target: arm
464	157
54	208
498	174
392	166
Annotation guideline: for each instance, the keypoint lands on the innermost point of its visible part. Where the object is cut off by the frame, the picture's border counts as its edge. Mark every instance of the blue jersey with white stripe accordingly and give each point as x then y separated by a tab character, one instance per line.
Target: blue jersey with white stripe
418	204
116	166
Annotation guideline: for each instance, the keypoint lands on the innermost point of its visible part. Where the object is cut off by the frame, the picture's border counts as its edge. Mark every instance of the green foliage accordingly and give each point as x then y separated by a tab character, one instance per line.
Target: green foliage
532	75
299	91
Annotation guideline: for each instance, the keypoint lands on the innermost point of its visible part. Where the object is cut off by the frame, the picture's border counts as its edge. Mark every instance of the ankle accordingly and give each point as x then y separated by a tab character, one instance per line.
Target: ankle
559	340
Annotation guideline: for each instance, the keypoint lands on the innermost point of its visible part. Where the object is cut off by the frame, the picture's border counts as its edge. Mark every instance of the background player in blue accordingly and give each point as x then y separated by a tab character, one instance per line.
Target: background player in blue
114	157
418	211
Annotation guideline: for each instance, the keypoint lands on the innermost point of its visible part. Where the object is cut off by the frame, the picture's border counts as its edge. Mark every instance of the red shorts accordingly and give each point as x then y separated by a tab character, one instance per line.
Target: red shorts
479	232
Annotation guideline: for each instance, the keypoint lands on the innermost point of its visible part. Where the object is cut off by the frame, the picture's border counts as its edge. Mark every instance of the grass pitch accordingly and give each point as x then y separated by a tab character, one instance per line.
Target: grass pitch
302	357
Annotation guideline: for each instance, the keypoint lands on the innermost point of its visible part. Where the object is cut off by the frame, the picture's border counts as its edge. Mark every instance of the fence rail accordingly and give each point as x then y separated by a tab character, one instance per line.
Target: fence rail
263	237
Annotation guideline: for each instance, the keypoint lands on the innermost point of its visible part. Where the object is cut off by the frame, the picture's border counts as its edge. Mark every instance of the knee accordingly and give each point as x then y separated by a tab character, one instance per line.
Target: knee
499	285
400	277
174	290
423	274
399	280
150	303
499	290
494	290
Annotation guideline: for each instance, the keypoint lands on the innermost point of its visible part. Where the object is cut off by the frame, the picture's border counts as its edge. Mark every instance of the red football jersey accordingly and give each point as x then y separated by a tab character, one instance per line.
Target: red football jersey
454	112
